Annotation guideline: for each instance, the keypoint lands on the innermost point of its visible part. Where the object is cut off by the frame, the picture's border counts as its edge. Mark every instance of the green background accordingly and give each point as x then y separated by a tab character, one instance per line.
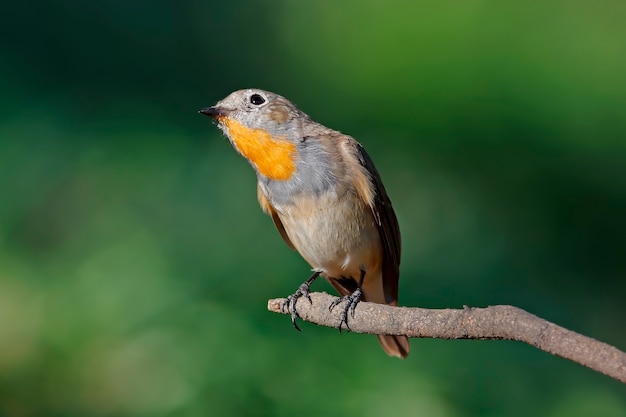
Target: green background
135	263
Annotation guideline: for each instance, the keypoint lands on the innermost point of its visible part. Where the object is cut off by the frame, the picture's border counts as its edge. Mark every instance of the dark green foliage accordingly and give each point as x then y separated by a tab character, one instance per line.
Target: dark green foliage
135	264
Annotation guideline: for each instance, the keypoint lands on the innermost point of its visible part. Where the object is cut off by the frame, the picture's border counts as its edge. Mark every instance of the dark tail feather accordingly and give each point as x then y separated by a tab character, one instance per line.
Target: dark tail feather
395	345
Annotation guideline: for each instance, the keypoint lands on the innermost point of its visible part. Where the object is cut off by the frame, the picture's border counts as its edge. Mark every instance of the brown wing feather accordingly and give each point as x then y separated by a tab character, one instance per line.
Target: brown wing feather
387	227
267	207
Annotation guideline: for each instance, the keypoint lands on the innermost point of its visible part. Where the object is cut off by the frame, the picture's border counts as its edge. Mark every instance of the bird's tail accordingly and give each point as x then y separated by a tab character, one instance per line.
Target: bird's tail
395	345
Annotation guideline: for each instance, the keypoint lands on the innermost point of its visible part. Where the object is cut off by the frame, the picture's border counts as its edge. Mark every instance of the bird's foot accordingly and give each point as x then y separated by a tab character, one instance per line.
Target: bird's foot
289	305
351	301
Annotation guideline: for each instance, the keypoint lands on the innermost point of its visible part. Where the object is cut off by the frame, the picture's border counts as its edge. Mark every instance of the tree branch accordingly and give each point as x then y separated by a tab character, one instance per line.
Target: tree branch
500	322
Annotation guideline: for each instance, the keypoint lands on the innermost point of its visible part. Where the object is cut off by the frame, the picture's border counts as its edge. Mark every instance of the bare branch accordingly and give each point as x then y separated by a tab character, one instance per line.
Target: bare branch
496	322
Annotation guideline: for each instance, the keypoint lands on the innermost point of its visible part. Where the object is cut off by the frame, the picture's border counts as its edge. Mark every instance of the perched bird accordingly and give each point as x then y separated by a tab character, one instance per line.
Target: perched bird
325	197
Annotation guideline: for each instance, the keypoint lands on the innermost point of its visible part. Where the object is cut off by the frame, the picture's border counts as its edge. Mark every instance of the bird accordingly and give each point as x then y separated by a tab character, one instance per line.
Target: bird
325	197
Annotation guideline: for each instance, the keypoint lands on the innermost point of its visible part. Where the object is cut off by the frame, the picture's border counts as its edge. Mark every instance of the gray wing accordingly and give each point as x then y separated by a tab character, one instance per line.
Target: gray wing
388	228
267	207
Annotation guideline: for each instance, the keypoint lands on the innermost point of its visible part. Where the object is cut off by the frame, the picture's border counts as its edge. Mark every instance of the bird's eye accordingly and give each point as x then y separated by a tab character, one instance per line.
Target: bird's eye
257	99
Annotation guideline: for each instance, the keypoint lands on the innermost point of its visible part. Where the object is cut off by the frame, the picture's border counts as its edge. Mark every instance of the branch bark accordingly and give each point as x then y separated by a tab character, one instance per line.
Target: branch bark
499	322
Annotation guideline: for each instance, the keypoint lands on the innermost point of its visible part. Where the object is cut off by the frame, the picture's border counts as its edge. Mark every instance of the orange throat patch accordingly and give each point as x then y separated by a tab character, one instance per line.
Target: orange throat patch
273	158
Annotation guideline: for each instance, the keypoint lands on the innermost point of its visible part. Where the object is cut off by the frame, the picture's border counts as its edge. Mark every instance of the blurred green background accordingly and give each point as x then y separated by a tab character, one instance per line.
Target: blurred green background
135	263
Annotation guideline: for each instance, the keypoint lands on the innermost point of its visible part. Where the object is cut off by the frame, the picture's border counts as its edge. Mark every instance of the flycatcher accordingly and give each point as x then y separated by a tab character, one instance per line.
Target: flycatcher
325	197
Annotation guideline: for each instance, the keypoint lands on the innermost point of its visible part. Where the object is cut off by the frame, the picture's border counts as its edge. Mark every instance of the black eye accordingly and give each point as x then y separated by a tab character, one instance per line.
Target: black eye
257	99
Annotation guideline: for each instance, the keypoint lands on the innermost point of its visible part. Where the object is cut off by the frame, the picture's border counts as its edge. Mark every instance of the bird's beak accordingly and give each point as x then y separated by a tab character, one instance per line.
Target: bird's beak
215	112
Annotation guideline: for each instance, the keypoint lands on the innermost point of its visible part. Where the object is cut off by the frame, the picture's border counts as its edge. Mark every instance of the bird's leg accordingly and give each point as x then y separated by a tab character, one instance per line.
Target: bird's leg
289	305
351	301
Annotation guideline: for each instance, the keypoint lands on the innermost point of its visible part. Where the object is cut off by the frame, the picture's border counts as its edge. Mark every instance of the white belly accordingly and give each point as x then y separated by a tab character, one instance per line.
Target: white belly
335	236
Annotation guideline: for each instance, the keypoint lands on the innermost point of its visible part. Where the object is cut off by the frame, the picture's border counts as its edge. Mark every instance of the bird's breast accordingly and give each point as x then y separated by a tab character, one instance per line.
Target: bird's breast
334	233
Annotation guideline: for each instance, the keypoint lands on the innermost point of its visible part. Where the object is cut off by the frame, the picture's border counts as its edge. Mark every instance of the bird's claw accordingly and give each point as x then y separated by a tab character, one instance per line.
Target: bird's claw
351	301
289	305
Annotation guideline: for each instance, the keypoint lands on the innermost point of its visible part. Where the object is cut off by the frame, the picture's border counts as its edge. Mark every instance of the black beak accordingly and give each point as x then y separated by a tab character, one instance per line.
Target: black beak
214	112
